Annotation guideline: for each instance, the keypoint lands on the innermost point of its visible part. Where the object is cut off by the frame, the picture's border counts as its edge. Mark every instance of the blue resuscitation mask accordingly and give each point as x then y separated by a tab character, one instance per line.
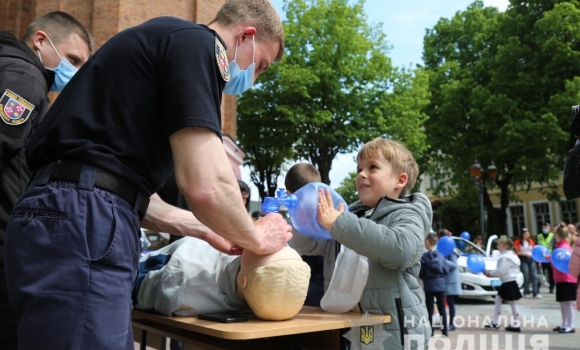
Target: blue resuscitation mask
64	71
240	80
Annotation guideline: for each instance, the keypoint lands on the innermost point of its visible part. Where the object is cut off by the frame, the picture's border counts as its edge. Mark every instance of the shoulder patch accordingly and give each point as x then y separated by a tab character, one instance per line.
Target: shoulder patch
222	59
14	110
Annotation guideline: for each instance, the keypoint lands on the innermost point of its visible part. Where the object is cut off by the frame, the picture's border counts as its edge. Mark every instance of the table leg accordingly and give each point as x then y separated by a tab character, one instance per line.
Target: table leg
163	343
143	344
344	343
295	342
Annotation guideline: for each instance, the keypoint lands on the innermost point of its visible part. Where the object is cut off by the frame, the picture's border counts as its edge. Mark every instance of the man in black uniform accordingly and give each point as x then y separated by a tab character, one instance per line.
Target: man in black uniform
59	42
146	103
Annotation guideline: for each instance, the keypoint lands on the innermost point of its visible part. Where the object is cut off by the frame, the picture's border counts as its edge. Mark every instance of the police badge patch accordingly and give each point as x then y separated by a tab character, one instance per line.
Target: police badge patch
222	59
14	110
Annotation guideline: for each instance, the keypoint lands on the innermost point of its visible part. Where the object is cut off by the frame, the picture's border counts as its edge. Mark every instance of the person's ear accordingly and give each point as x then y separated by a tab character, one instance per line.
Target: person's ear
242	281
402	180
246	34
39	39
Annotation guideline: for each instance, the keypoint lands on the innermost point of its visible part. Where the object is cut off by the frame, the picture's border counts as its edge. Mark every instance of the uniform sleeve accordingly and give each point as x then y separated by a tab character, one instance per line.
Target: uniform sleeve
191	81
18	81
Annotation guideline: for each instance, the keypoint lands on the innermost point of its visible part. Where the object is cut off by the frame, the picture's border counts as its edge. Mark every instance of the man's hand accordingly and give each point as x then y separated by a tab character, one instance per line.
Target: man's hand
221	244
275	233
326	213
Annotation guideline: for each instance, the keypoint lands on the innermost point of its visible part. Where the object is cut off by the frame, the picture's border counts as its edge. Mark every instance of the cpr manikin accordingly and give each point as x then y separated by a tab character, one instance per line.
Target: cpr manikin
189	277
275	285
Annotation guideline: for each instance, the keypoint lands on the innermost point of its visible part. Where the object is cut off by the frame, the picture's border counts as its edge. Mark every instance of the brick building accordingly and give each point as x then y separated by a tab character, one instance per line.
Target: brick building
105	18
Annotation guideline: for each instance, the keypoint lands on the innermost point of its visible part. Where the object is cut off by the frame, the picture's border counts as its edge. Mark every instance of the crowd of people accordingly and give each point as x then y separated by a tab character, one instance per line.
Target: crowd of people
515	257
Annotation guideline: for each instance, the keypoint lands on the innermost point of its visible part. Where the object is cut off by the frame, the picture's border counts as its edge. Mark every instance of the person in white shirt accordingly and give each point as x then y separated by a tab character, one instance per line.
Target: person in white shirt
508	269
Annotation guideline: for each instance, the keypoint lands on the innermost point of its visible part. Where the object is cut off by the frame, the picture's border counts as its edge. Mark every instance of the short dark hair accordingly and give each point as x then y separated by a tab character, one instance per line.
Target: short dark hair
432	238
300	175
244	188
442	232
59	26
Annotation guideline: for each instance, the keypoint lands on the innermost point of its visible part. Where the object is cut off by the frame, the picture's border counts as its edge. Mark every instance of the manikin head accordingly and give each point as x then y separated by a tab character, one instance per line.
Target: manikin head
274	285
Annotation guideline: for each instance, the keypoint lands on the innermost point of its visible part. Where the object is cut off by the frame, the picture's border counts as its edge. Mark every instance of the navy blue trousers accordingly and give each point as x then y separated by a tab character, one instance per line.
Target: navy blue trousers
72	253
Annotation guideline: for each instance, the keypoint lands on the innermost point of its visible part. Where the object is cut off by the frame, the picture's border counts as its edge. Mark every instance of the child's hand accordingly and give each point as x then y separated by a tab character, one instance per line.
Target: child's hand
326	212
548	257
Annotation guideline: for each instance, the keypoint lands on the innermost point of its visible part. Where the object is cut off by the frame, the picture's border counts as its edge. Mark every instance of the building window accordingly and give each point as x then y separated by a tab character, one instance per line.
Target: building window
436	224
433	183
541	214
569	211
518	219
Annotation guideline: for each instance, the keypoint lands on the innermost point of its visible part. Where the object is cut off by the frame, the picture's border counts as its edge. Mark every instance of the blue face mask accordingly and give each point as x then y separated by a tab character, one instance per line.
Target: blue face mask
240	80
64	71
545	230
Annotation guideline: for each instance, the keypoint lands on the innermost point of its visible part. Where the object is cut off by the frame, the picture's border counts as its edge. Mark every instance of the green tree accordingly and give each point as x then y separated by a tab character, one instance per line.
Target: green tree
460	213
498	82
347	188
263	133
335	88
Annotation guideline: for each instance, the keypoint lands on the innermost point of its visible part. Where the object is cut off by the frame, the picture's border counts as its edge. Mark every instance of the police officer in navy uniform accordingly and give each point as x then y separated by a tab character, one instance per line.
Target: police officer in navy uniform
24	84
145	104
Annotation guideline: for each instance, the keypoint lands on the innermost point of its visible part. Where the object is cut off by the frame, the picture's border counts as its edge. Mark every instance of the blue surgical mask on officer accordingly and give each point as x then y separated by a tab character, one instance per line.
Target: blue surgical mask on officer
241	80
545	230
64	71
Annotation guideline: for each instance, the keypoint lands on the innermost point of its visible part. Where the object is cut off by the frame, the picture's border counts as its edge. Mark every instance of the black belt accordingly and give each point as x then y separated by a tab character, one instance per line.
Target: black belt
71	171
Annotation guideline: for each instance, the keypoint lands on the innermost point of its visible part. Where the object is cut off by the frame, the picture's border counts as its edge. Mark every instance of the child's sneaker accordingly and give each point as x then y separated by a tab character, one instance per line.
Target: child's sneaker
513	329
492	325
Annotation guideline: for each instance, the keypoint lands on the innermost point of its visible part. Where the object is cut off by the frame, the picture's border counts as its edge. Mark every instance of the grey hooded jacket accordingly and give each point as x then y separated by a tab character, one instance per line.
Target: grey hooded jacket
393	240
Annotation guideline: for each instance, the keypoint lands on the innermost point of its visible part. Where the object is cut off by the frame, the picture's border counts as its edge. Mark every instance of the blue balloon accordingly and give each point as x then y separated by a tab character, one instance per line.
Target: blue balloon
460	244
476	264
561	259
445	245
539	252
465	235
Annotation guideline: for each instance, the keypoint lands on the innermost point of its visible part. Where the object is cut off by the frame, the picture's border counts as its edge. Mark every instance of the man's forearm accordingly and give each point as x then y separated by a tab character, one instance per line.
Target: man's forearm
163	217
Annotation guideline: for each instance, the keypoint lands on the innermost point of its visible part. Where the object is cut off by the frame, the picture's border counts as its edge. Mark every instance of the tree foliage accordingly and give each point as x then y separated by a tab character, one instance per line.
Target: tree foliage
334	90
347	188
502	85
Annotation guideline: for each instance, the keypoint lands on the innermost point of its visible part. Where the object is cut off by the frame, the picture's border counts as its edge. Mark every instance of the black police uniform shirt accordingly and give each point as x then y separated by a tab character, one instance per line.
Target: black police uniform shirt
24	84
141	86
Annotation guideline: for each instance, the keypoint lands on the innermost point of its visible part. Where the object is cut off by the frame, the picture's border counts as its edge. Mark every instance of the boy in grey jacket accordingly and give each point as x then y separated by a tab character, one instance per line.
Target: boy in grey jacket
389	228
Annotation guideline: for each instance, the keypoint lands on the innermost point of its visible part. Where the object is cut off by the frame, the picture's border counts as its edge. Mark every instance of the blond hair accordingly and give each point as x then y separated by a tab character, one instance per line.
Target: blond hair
507	242
401	159
260	14
562	232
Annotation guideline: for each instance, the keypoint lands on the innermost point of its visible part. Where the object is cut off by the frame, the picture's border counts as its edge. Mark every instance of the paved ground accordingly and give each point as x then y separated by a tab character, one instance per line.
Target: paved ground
538	317
541	315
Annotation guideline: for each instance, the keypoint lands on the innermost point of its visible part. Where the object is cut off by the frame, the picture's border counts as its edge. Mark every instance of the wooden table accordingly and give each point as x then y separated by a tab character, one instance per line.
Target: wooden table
212	335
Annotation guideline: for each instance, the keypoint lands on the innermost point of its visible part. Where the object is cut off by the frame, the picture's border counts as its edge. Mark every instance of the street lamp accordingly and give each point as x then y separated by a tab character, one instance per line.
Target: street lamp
475	171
